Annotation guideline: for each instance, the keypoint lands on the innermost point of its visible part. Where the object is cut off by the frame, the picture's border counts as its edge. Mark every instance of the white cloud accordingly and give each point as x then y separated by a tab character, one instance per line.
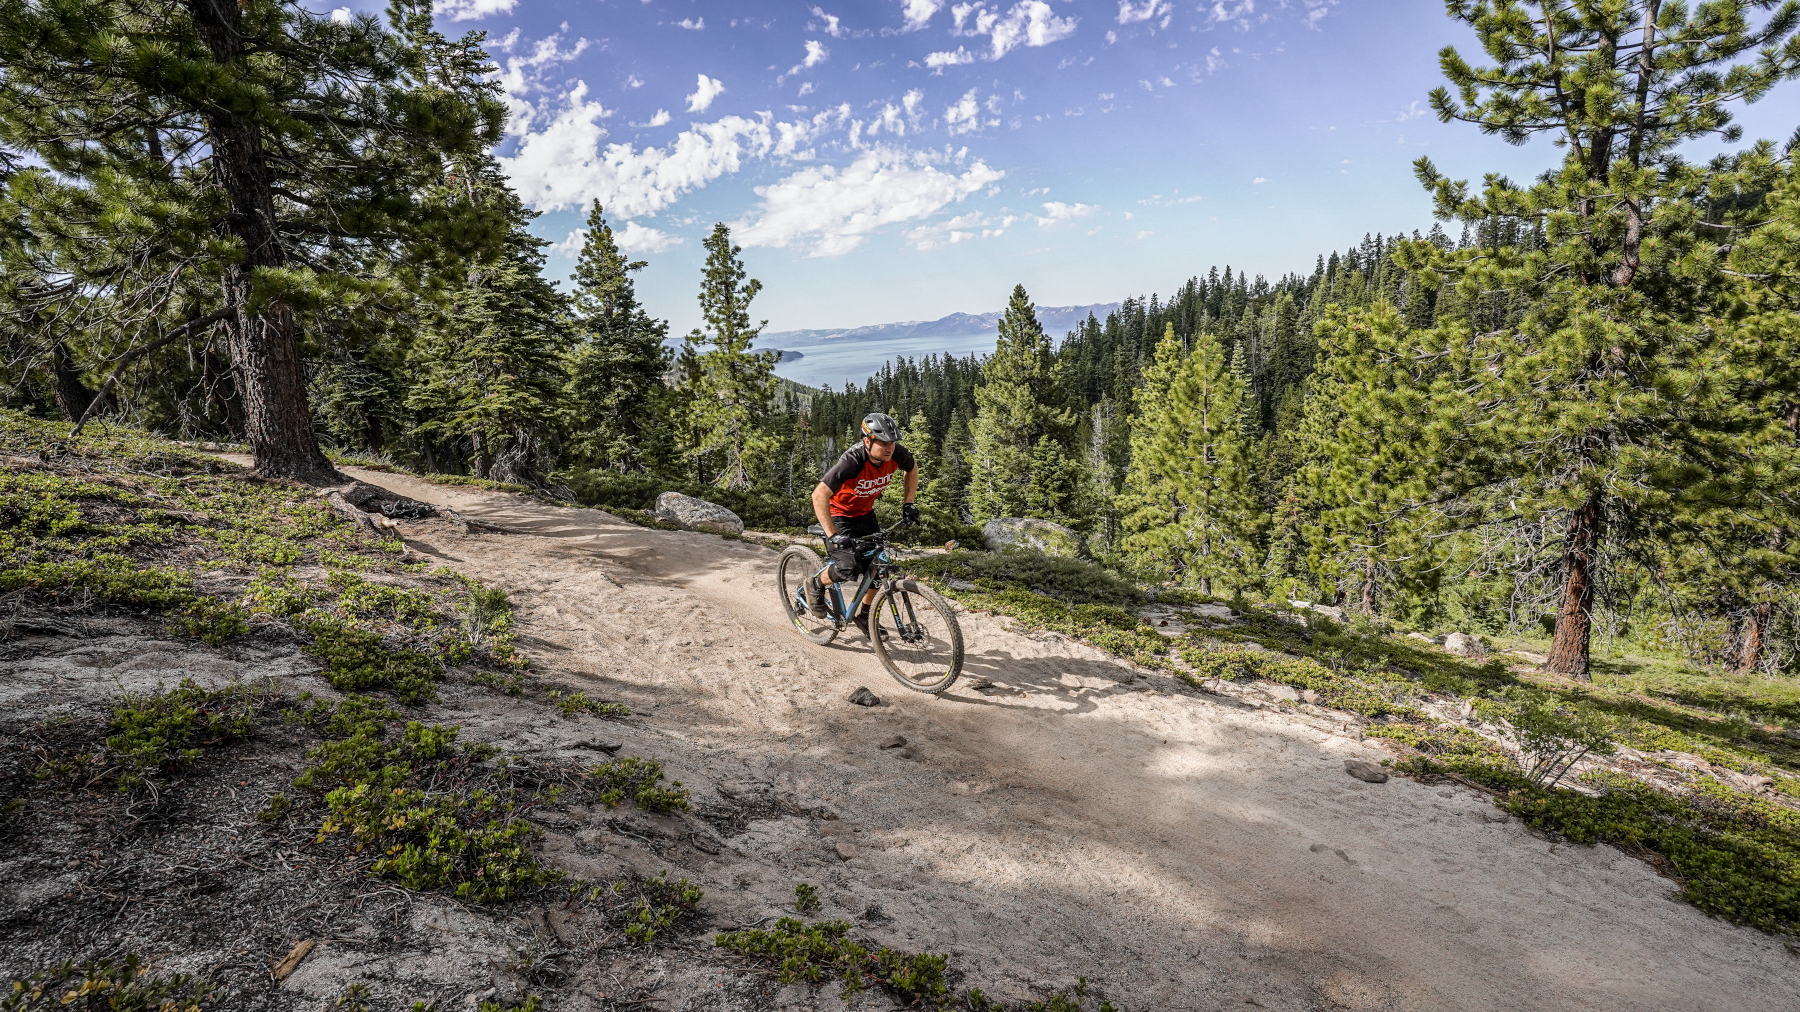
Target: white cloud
805	90
1234	13
661	118
938	61
634	81
962	228
1111	37
1258	181
918	13
835	209
1131	15
1215	62
965	116
1143	235
816	53
832	28
1414	110
524	74
692	24
342	16
472	10
705	91
1316	11
1056	211
635	238
1031	23
563	166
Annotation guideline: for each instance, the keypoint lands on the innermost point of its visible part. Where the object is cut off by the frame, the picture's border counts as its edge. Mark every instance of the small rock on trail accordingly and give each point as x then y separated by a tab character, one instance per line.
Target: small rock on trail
1364	770
863	697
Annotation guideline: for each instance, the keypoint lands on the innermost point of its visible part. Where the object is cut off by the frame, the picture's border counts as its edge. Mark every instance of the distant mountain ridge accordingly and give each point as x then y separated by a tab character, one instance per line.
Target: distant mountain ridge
1056	321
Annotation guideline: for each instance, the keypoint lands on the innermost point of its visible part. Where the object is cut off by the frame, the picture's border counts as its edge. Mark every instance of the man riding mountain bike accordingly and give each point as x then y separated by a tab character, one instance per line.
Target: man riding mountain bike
844	502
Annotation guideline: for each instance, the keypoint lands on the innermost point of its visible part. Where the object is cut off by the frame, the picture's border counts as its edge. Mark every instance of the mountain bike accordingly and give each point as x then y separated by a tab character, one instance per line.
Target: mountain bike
911	626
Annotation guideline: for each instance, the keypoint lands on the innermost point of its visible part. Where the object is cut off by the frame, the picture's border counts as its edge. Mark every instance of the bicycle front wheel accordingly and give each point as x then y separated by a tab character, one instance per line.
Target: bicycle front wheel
917	637
795	566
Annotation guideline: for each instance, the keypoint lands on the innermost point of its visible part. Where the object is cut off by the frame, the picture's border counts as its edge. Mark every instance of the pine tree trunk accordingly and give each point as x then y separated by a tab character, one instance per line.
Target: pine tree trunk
1368	586
483	462
73	398
265	351
1575	617
1756	633
221	393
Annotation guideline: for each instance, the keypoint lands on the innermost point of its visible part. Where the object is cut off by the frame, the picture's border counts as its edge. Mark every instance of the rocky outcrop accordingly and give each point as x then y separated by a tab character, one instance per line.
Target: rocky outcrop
1035	535
697	514
1464	645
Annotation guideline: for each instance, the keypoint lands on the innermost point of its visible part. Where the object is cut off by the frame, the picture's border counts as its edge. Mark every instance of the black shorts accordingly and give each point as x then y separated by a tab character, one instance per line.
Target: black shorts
847	564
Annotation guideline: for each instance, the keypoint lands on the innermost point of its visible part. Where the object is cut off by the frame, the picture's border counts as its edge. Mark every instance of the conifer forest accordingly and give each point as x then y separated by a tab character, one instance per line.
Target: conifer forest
1571	408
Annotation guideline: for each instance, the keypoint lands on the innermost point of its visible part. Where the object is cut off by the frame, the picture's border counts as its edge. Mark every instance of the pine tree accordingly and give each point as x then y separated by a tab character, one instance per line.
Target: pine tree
1569	414
1019	403
616	391
493	368
1372	465
1192	509
268	152
732	385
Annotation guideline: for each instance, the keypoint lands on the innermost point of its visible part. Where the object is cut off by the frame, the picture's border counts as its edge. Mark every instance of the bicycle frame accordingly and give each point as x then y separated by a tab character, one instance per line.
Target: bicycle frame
871	578
879	568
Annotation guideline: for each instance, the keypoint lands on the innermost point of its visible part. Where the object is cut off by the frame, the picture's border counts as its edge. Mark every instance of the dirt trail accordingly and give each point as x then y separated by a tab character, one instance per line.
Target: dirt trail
1079	818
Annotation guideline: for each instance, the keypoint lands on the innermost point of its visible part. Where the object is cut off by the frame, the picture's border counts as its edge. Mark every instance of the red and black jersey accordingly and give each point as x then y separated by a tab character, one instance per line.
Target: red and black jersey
856	481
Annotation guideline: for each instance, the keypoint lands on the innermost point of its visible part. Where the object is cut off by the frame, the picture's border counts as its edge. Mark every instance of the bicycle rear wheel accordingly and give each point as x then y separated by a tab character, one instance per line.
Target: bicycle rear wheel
917	637
795	566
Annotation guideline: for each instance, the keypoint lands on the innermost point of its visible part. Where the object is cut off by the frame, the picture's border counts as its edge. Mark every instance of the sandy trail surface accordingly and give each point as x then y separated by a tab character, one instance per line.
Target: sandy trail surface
1076	817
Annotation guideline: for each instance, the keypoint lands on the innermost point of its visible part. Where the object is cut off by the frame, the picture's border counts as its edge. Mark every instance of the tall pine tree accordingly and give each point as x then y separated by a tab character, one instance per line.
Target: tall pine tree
1193	515
732	385
1019	404
619	401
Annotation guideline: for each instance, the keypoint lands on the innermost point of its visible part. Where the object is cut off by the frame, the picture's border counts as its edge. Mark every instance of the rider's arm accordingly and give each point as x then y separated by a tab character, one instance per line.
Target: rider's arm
822	507
912	485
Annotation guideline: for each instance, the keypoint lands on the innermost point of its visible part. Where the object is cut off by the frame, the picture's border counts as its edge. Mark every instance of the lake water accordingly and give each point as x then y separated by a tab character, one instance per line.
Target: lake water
849	360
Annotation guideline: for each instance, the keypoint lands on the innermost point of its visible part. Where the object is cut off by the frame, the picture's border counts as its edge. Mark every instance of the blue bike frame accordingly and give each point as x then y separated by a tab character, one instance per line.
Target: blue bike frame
878	561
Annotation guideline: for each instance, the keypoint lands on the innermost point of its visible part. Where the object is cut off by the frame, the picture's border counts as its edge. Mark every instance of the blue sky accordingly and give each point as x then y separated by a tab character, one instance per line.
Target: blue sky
906	159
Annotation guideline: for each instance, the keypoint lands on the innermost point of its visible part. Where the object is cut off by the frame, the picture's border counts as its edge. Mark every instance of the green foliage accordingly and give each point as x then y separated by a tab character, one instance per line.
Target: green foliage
616	392
357	659
1371	693
731	386
578	702
660	905
1019	404
641	781
103	986
388	795
158	734
806	898
811	953
470	481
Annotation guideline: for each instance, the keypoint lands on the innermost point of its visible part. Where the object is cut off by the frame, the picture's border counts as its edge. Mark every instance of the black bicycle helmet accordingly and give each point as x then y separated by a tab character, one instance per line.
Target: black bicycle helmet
882	427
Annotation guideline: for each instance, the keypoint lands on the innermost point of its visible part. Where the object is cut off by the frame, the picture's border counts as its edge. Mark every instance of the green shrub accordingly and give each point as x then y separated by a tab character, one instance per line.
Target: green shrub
411	802
811	953
102	986
639	780
473	482
806	898
578	702
156	735
356	659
